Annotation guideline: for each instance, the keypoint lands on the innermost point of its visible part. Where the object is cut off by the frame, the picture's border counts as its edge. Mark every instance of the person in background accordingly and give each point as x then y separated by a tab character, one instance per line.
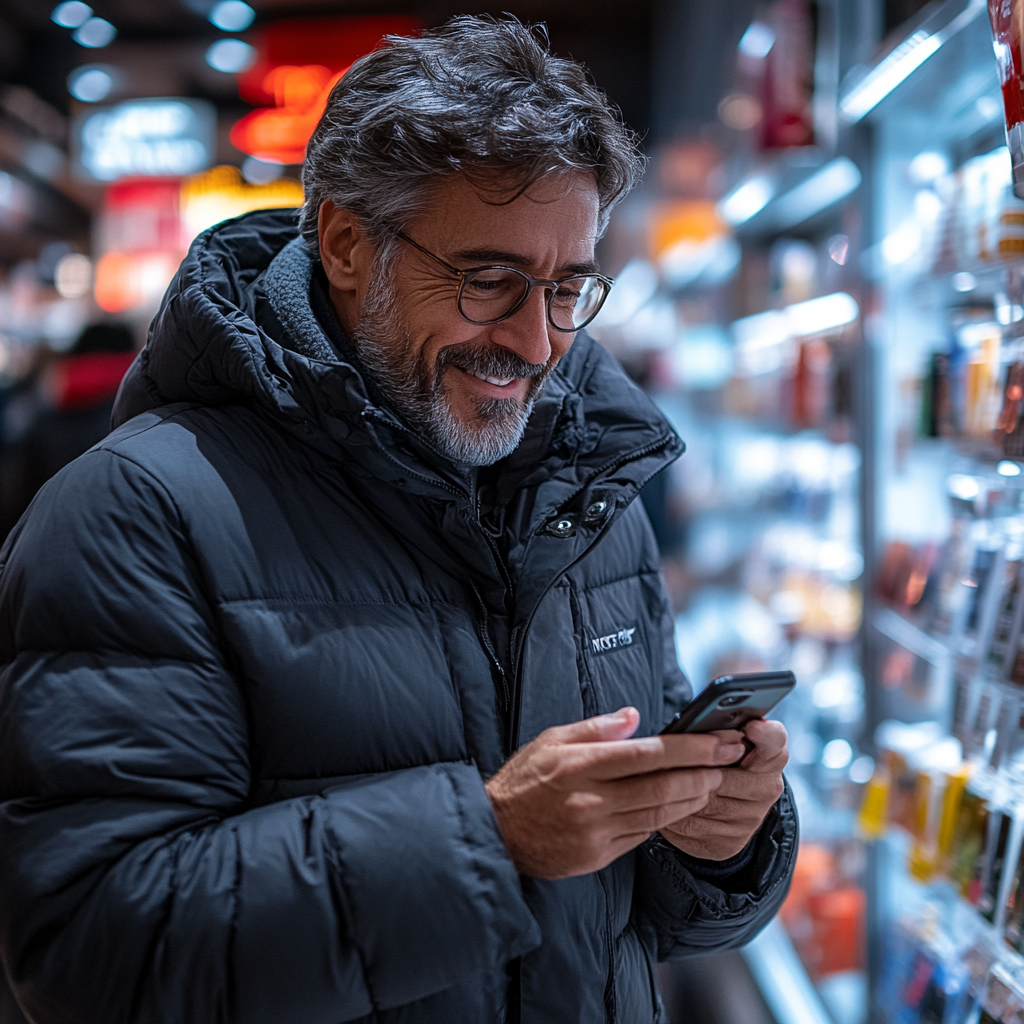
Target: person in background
71	407
332	679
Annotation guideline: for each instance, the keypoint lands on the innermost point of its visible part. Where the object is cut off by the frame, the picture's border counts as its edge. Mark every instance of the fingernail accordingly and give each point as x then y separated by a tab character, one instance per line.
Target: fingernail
623	715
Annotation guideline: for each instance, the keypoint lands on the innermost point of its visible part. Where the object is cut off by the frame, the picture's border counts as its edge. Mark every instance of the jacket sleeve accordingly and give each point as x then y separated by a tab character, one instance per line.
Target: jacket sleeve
692	909
136	883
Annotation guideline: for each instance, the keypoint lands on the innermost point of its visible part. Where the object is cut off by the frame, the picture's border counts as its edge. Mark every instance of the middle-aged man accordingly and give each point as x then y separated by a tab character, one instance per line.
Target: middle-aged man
321	672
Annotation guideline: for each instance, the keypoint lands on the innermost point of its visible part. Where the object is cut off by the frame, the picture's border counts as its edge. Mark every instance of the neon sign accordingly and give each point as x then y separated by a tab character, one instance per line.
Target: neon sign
152	137
298	64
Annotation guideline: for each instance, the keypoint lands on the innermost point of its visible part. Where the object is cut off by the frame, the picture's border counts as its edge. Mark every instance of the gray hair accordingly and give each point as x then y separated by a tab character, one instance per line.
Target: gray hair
476	96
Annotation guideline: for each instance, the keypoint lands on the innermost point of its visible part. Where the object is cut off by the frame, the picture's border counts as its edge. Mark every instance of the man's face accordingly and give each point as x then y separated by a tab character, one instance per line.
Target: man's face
469	388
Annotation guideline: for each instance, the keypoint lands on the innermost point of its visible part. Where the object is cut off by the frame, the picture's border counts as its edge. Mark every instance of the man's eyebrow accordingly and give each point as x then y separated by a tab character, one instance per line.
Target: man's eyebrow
485	257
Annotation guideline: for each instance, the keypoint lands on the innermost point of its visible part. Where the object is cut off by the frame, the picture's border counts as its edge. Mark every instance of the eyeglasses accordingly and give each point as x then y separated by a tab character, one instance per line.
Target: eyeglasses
488	295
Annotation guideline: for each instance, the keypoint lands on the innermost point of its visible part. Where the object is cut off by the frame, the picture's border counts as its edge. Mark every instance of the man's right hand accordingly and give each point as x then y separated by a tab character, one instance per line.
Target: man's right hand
583	794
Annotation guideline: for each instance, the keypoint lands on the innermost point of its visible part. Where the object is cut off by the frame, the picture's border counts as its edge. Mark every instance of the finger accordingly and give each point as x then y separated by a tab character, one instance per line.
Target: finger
758	788
653	819
659	788
656	753
599	729
769	739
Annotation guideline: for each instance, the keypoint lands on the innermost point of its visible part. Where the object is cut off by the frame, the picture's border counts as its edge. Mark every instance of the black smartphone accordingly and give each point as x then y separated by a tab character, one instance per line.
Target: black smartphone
732	701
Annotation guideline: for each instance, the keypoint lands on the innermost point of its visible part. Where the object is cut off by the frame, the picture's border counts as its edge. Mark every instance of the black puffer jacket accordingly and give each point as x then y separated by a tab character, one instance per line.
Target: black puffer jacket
260	651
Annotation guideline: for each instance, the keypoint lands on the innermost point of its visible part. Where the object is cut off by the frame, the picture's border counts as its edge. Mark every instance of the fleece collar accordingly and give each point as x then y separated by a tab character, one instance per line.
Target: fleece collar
236	327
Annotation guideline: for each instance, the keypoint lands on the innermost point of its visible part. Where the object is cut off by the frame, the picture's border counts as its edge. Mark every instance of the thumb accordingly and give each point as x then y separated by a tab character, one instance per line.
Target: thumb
602	728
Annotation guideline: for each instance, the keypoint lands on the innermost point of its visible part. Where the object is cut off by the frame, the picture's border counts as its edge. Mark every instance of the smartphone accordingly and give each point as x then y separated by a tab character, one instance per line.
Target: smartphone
732	701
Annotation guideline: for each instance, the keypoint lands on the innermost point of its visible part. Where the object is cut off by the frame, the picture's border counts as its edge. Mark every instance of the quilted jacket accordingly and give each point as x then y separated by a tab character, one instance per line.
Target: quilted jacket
261	648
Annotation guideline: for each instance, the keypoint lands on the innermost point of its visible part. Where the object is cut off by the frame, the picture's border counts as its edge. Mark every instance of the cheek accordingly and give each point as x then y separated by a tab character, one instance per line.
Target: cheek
560	344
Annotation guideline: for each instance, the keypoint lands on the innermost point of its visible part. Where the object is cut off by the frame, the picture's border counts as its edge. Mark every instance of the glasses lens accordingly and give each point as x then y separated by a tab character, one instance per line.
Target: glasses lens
576	301
489	295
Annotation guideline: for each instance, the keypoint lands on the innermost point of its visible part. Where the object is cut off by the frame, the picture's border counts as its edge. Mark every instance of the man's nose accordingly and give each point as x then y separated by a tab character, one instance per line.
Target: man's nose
525	332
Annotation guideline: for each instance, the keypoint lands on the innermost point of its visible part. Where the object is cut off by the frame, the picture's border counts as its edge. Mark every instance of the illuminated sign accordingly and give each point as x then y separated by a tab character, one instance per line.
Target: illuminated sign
218	194
297	65
153	137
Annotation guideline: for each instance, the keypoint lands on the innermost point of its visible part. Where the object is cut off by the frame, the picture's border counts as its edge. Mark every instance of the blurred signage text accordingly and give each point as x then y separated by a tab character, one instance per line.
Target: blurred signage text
151	137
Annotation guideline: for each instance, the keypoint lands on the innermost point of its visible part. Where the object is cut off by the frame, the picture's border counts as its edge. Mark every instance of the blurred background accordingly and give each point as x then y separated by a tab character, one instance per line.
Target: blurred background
821	281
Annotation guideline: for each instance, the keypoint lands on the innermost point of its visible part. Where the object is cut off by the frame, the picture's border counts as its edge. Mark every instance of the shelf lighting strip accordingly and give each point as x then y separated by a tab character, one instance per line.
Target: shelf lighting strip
900	63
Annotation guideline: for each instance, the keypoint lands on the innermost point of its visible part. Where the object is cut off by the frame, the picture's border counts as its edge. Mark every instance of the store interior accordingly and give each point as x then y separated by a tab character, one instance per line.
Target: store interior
820	281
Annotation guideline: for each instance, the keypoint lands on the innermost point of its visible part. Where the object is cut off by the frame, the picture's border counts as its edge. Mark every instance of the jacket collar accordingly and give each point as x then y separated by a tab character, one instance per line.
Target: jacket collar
236	327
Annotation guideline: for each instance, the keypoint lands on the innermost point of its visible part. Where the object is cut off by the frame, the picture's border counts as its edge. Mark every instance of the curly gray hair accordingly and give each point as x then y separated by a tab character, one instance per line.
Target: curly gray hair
476	96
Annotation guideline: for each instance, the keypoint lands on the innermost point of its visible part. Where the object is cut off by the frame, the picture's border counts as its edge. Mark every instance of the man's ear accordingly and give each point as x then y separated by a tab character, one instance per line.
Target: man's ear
347	256
345	251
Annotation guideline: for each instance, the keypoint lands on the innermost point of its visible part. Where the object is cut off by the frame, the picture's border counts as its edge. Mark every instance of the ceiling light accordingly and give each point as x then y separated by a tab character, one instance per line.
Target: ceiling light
71	14
964	487
232	16
757	41
886	75
739	111
746	200
816	316
837	754
1007	468
95	33
90	84
72	276
902	62
927	166
835	181
964	282
230	56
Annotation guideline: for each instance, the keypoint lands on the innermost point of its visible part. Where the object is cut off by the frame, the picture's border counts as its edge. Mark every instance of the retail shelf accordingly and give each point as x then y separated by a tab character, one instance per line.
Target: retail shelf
784	983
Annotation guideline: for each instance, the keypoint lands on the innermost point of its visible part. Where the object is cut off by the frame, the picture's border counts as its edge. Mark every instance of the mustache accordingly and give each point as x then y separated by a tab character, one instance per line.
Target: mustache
488	361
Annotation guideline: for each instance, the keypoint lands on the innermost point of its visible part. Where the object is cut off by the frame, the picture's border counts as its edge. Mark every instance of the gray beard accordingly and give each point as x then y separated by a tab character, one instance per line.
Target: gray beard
418	394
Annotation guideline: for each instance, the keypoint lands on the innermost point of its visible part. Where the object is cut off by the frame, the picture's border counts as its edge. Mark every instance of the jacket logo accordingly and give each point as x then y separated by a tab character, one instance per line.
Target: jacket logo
613	641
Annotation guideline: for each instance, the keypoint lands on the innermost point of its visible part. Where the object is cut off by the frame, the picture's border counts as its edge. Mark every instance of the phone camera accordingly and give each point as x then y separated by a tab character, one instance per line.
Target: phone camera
733	700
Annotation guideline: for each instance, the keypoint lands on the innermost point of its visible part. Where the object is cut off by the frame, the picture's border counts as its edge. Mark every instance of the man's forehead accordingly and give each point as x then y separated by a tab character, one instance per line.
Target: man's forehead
496	219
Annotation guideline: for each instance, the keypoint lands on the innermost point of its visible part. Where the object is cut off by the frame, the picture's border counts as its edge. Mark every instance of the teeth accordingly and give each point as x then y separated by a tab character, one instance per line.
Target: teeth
500	382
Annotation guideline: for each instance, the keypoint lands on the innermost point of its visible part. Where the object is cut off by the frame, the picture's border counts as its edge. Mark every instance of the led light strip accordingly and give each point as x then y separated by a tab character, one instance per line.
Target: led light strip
899	64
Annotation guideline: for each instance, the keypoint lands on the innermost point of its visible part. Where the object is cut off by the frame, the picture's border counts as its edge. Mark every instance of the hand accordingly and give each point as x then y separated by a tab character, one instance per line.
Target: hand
582	794
735	811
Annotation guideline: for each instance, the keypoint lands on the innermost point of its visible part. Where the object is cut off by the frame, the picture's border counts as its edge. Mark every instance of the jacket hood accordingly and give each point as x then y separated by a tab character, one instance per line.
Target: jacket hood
236	327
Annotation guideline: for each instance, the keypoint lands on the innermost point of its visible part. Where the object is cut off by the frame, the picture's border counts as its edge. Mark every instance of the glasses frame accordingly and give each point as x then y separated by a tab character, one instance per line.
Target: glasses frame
531	283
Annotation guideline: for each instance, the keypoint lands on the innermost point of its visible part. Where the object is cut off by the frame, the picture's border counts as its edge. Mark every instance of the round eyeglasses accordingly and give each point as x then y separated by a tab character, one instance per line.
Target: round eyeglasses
488	295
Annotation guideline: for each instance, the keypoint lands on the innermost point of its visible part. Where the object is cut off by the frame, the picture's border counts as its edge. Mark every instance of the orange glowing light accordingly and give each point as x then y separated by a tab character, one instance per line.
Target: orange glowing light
279	134
297	65
130	280
693	221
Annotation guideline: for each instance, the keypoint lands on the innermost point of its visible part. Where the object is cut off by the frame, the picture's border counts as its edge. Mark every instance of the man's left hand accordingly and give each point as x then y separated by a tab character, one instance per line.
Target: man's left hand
735	811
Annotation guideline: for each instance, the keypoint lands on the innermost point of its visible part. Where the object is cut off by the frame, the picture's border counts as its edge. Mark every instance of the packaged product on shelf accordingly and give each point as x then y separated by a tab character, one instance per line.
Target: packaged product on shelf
938	771
1013	928
942	606
893	793
1013	394
999	859
969	838
982	378
1003	999
927	975
1009	611
979	612
1003	14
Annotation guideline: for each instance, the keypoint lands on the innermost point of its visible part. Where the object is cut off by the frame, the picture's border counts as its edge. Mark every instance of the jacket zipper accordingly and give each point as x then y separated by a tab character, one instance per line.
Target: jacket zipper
520	631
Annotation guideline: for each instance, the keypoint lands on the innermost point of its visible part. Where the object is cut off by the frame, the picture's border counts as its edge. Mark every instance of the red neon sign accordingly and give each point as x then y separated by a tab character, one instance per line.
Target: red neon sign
297	65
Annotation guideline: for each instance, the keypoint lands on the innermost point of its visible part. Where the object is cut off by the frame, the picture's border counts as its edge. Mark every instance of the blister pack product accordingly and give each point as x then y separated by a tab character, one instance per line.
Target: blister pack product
969	839
1003	999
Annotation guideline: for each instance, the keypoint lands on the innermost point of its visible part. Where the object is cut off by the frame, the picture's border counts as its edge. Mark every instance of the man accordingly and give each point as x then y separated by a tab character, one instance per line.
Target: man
321	670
